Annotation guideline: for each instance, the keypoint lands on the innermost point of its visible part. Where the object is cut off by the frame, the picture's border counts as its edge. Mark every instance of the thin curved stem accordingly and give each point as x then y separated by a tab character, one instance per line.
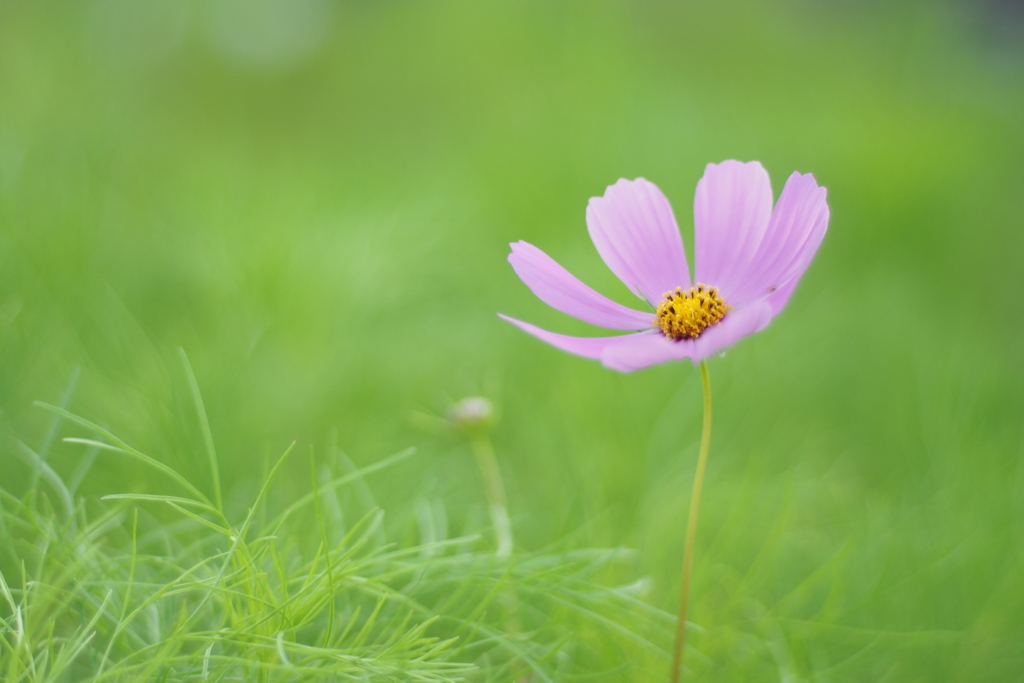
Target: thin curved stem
691	526
495	490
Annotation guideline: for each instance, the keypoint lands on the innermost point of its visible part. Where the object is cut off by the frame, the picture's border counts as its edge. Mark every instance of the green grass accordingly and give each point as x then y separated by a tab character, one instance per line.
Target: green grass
124	592
325	236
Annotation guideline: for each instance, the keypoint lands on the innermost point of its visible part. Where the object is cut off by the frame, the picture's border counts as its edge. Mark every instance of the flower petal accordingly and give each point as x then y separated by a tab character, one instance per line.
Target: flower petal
780	297
588	347
735	326
640	351
556	287
796	228
635	232
629	352
731	210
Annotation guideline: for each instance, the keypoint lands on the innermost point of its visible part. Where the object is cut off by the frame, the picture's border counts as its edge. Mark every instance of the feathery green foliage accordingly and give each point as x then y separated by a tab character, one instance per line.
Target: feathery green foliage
116	591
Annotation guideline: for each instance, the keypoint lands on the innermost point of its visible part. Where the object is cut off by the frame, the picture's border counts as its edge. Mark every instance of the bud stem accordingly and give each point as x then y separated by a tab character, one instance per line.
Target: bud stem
494	487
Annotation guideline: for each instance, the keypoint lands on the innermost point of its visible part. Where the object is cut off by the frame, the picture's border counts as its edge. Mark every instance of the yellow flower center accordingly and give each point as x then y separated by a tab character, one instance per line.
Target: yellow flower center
684	315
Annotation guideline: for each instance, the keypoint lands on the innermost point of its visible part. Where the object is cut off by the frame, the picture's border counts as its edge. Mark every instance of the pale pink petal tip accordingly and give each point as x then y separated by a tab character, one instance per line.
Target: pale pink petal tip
625	353
588	347
794	232
556	287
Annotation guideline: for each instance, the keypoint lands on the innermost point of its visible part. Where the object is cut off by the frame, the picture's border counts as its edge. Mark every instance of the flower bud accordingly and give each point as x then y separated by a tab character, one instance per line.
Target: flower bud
472	414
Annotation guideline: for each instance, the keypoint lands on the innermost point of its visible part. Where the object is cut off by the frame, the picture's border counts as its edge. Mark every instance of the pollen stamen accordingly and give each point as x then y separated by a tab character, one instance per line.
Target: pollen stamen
685	314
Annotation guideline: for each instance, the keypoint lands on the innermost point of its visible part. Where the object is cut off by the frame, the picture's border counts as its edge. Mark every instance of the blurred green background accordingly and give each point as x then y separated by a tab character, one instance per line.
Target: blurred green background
314	199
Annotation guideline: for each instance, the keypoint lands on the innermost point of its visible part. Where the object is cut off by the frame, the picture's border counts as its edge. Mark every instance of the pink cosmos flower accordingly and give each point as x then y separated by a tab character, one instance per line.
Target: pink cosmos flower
748	259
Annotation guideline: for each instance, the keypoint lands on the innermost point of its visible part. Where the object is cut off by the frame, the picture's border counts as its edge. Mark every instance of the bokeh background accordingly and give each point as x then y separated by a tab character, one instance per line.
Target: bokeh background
314	199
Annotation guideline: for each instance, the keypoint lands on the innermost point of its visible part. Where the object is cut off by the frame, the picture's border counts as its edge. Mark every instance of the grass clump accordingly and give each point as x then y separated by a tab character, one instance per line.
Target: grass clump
167	587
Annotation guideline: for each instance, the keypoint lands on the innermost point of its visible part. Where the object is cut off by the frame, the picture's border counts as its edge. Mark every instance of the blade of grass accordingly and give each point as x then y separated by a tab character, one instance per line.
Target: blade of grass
84	465
42	468
51	433
161	499
327	550
341	481
123	447
245	528
204	425
121	623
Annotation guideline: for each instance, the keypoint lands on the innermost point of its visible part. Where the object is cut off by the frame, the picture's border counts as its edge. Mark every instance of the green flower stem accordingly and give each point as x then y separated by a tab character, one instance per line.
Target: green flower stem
691	526
495	489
